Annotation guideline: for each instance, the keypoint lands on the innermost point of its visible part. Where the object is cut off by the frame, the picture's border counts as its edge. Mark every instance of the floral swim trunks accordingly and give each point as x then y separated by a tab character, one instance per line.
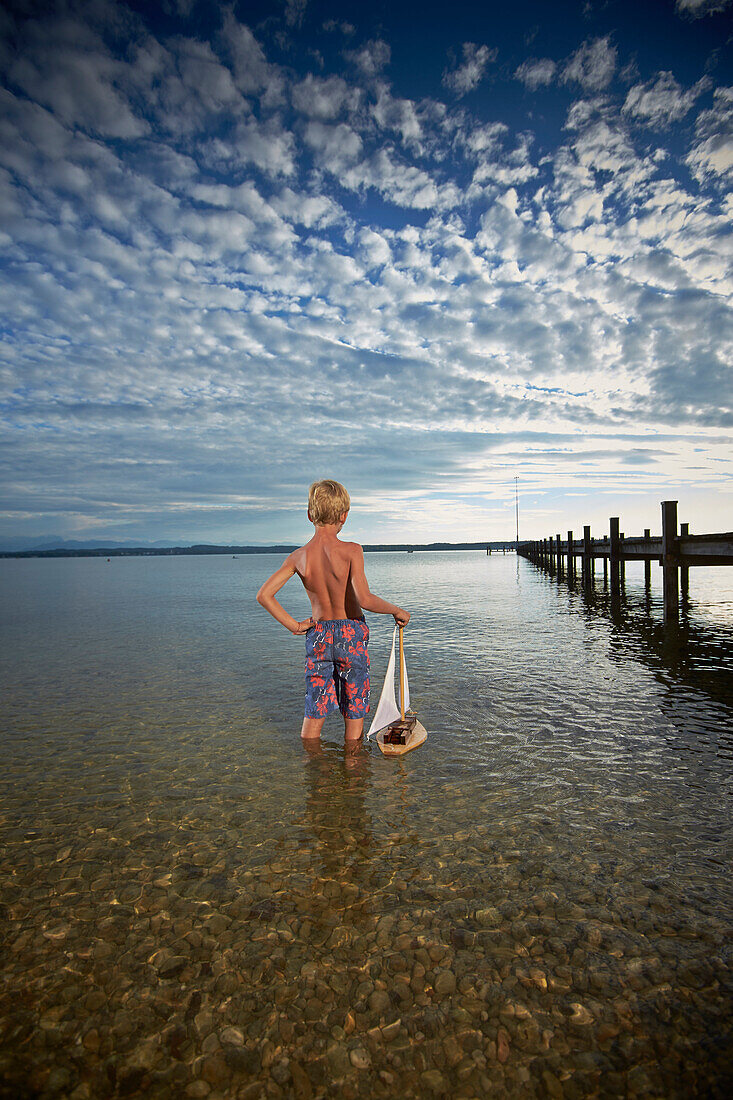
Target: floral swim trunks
337	668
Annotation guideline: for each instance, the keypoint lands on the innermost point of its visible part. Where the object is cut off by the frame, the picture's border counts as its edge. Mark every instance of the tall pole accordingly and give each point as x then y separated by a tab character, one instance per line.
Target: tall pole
670	552
402	676
516	505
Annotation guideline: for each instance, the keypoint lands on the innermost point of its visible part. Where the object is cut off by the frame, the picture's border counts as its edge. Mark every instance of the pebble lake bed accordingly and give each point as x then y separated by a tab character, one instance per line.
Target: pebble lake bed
537	902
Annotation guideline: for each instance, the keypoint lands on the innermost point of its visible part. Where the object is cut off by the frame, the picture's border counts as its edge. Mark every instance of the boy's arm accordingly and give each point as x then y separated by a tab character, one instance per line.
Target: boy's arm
266	597
367	599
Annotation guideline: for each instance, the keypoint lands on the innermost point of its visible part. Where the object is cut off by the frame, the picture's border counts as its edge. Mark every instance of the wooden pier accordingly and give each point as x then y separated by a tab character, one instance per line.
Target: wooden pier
675	550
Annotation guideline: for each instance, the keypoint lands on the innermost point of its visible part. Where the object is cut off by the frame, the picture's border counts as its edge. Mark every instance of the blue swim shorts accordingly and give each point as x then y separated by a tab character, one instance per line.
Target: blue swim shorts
337	668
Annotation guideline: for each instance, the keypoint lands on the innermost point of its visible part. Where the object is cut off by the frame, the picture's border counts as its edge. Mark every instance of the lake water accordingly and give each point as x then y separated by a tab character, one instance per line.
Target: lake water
535	903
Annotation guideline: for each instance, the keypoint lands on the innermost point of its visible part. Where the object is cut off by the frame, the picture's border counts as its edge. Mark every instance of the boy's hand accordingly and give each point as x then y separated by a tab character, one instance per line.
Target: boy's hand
304	627
401	617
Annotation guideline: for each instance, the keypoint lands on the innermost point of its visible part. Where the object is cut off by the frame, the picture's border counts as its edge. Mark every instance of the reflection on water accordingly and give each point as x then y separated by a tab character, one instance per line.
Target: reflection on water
536	903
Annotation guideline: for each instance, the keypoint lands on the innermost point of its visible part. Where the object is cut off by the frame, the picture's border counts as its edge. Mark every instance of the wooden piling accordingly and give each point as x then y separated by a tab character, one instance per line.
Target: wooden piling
571	559
647	562
615	555
684	570
586	555
669	560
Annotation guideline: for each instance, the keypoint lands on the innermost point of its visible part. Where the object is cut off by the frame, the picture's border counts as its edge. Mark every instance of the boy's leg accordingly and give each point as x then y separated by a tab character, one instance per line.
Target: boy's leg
353	728
351	663
312	727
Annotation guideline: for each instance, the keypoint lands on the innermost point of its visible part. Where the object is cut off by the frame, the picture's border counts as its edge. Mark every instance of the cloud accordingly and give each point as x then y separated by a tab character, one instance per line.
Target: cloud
338	150
66	67
372	58
402	184
536	72
266	145
663	101
711	157
324	98
498	162
346	29
336	147
294	12
179	7
592	65
252	72
695	9
469	74
315	210
397	114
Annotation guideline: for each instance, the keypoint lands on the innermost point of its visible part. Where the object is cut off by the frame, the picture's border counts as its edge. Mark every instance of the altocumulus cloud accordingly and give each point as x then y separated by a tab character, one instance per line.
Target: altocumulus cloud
237	257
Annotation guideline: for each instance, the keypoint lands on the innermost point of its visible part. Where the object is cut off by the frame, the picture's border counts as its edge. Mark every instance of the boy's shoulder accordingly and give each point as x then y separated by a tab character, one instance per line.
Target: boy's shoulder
353	549
302	552
347	548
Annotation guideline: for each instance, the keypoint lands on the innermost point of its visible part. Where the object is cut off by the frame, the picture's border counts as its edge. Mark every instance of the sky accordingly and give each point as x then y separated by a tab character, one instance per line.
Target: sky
423	249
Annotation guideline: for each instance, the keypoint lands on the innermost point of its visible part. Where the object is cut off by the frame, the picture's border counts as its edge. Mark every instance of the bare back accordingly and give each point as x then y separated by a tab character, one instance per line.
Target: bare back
324	566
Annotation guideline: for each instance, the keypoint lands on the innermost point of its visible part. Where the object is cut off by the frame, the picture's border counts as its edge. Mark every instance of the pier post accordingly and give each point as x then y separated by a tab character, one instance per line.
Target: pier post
622	560
586	555
615	556
669	560
571	559
647	562
684	569
605	572
558	559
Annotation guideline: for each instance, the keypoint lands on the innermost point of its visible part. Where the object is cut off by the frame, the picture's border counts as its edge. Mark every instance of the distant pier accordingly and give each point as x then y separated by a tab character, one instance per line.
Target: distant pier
675	550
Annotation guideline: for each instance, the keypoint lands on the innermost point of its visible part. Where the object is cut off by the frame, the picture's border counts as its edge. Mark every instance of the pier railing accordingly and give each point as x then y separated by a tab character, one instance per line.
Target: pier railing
675	550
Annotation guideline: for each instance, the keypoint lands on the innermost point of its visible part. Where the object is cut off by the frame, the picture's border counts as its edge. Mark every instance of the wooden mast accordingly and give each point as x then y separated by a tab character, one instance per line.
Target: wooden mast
402	678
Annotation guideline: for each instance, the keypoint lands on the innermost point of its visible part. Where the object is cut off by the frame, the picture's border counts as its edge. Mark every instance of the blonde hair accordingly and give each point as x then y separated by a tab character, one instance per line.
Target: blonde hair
327	502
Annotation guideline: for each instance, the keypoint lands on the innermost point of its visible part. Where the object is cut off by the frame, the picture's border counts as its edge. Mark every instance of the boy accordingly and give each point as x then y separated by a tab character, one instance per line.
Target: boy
332	572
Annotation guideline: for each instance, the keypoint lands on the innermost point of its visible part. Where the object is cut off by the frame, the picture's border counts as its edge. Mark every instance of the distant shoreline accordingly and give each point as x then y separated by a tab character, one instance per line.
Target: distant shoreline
204	549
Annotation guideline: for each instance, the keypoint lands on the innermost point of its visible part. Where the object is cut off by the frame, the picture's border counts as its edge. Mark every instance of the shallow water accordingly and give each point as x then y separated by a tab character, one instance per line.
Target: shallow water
536	903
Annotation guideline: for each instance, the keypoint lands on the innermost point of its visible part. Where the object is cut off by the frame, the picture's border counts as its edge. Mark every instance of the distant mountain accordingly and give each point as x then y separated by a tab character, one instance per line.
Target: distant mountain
55	542
69	549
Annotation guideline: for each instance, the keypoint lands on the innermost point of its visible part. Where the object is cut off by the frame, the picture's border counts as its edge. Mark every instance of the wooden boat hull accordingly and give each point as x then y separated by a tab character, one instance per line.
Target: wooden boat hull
415	739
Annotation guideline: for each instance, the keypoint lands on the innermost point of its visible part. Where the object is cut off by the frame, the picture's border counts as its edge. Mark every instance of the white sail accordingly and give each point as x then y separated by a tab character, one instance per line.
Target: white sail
387	709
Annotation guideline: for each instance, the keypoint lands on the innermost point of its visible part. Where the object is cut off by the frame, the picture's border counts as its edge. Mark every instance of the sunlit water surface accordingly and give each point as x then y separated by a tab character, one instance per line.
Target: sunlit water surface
535	903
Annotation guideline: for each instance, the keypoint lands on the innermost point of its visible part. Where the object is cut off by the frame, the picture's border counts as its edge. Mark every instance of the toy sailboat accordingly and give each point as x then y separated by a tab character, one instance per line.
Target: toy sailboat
396	733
